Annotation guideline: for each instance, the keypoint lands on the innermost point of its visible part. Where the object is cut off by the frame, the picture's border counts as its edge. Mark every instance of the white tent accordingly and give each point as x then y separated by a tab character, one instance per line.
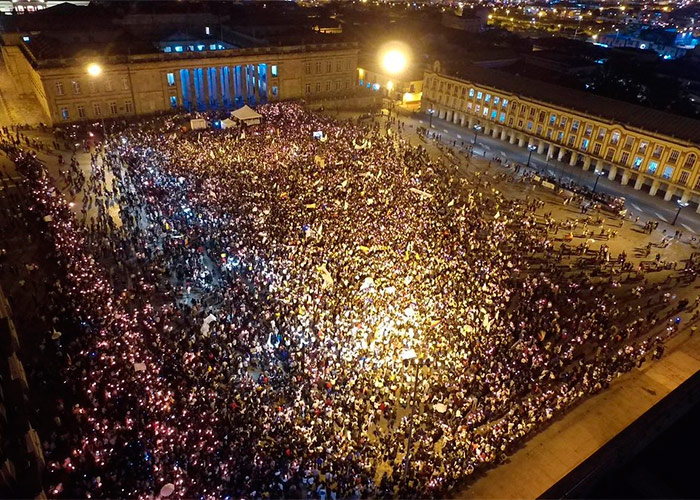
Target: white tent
247	115
227	123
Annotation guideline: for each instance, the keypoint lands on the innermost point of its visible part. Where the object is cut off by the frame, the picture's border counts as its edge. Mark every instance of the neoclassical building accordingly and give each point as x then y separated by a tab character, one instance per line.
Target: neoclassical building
652	150
205	77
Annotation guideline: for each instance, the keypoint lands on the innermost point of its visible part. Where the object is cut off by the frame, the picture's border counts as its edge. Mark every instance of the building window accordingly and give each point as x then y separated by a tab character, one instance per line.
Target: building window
97	109
615	138
128	106
81	111
171	79
560	136
328	86
362	83
683	178
574	126
64	113
589	130
529	125
637	162
167	49
487	98
108	85
93	86
471	92
643	147
629	141
273	70
307	68
652	167
479	95
657	151
469	106
173	101
502	118
505	103
76	86
347	84
601	133
572	140
552	119
318	67
113	108
596	148
690	161
178	48
206	30
539	130
318	86
624	158
668	172
308	87
59	88
125	83
212	46
520	124
673	158
496	99
562	122
477	109
609	154
337	85
542	116
274	90
584	144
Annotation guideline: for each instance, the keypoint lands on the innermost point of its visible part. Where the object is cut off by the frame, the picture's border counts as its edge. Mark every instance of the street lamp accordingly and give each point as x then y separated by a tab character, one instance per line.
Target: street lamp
95	71
681	206
532	148
431	112
599	174
477	129
394	61
409	356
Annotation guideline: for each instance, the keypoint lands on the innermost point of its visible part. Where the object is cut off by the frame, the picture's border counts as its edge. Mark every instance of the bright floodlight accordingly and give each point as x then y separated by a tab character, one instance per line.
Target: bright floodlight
394	61
94	69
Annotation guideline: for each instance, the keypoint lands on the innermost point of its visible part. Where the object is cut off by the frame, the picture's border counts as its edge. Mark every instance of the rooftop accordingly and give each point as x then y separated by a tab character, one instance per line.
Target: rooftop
632	115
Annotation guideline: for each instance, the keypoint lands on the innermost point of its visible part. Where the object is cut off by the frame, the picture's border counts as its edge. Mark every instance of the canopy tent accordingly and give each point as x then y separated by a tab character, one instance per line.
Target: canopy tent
247	115
227	123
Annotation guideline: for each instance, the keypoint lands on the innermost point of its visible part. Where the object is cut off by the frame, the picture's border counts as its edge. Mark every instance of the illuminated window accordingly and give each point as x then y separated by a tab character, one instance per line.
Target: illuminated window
167	49
375	87
25	38
361	83
273	70
487	98
657	151
212	46
668	172
76	86
552	119
502	118
574	126
471	92
496	100
494	114
64	113
529	125
637	162
171	79
206	30
274	90
178	48
173	101
505	102
584	144
652	167
643	146
479	95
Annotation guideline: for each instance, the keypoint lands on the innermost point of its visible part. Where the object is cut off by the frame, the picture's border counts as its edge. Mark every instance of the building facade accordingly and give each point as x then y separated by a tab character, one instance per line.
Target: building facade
646	159
149	83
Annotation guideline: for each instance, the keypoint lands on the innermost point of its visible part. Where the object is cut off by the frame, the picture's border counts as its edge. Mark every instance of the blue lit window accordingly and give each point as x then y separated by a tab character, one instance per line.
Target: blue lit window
220	47
668	172
471	92
505	102
375	87
178	48
652	167
637	163
190	48
173	101
502	118
584	144
496	100
212	46
361	83
25	38
494	113
167	49
64	113
486	111
200	47
273	70
171	79
488	98
369	84
479	95
529	125
274	90
552	119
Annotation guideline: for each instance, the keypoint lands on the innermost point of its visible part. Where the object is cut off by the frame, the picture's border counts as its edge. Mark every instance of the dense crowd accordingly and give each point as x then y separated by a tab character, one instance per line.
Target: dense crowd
267	314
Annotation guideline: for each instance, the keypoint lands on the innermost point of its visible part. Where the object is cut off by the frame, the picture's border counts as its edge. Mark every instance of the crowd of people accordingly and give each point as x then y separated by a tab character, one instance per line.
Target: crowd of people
273	313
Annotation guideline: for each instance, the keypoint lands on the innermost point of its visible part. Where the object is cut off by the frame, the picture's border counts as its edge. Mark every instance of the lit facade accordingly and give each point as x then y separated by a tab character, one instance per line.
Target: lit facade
157	82
642	158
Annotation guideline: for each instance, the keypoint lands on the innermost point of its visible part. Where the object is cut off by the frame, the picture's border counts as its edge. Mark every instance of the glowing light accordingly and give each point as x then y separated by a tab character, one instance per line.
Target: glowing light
94	69
394	61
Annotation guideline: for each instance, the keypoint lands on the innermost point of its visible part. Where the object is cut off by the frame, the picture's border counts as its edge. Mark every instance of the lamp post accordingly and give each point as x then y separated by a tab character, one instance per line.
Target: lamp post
599	174
681	206
407	357
95	71
477	129
531	148
431	112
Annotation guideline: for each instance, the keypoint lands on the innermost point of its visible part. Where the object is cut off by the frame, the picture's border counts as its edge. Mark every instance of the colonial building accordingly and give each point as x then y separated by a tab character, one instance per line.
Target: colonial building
649	149
192	79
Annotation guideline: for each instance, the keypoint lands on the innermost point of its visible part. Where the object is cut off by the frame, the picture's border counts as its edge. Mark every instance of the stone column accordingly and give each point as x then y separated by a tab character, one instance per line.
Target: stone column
521	141
574	158
504	134
512	138
670	191
205	84
686	196
471	122
639	182
494	132
586	162
561	154
550	151
625	177
654	187
612	173
540	147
